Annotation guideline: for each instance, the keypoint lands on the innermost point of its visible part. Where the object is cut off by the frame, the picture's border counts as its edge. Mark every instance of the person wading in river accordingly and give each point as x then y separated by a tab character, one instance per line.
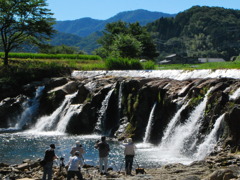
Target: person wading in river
49	157
103	149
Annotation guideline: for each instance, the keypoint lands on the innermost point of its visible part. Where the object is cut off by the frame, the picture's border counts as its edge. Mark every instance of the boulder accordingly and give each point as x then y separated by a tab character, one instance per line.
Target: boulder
222	174
56	82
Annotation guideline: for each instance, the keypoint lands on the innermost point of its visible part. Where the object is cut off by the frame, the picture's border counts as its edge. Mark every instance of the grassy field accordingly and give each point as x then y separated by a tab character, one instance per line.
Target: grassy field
213	66
52	56
94	62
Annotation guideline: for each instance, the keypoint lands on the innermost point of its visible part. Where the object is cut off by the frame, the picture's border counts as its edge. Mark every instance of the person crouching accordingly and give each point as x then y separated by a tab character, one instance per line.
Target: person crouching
75	162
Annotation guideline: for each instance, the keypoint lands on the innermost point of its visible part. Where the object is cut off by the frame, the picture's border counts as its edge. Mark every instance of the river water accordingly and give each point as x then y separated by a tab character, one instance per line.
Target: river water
15	147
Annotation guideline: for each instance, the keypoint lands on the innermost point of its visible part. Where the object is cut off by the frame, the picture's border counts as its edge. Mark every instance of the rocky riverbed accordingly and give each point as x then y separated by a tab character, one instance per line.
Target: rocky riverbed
221	166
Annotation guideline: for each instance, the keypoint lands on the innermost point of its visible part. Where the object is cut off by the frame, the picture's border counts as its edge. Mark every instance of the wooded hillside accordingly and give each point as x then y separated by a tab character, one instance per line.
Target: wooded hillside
199	32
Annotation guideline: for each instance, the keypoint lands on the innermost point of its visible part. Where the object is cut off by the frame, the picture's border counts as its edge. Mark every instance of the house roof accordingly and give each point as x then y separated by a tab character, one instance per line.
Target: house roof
203	60
164	61
172	55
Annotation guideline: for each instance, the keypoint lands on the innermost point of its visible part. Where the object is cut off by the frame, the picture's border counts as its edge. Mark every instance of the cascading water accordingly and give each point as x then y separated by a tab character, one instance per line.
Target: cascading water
120	96
59	118
149	125
210	141
170	127
183	138
235	95
102	113
31	107
70	111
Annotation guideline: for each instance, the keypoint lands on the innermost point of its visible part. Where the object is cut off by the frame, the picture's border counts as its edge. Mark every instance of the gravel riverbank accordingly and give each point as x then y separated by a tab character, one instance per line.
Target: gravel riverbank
224	166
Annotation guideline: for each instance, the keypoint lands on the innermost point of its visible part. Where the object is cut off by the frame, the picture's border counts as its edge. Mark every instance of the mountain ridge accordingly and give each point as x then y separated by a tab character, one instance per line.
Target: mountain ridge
86	26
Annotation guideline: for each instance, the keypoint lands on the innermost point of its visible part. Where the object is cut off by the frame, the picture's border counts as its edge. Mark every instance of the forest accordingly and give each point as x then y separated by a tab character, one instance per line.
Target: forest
199	32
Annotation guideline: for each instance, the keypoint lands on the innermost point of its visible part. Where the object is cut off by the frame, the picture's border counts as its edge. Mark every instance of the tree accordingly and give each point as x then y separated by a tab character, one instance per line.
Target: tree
24	21
126	46
127	40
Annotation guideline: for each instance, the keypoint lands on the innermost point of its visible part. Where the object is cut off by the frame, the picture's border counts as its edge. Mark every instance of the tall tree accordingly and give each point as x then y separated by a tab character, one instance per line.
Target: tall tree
129	39
24	20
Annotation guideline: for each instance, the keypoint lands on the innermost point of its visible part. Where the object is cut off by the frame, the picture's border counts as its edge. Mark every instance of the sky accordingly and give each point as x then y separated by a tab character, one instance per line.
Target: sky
104	9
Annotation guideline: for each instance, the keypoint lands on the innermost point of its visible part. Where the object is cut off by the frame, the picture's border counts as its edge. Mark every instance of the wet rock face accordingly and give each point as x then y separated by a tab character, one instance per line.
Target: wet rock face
233	121
129	105
9	109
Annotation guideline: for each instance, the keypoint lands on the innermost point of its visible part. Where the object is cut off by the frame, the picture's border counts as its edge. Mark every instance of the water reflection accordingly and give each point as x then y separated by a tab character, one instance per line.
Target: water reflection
16	147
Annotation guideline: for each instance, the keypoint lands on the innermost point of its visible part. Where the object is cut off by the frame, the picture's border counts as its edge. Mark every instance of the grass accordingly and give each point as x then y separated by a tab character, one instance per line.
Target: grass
122	64
51	56
210	65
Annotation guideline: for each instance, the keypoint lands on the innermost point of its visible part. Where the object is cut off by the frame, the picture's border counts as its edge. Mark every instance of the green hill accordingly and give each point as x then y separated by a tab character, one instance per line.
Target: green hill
84	32
199	32
86	26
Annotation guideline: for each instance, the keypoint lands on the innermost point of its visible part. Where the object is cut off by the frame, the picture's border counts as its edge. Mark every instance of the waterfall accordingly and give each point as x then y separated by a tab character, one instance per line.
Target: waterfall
61	115
170	127
184	135
31	107
120	97
120	94
149	125
235	95
70	111
102	113
210	141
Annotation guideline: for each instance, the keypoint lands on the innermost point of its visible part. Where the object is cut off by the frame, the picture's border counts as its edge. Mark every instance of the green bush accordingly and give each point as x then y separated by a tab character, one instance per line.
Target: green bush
148	65
123	64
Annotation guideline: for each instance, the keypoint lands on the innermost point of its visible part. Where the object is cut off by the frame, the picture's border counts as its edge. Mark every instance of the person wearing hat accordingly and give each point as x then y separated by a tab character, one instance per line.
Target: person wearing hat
75	162
49	158
129	152
78	148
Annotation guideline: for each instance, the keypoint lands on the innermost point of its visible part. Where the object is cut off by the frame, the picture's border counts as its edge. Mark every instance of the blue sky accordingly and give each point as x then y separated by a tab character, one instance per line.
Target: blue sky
104	9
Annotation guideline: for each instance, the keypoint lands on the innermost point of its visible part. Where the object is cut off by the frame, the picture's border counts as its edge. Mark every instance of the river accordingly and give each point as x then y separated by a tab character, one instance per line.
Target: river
15	147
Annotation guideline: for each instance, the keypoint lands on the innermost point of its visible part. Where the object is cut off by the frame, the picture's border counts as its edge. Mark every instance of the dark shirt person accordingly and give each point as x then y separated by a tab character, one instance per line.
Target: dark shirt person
103	149
49	158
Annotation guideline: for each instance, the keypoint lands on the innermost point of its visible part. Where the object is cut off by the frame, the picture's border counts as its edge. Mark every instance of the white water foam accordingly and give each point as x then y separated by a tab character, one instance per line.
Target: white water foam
30	108
210	141
70	111
102	112
171	74
149	125
177	146
47	123
235	95
170	127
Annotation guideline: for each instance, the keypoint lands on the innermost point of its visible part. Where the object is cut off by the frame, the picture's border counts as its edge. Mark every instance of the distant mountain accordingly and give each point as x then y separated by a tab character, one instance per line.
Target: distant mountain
86	26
